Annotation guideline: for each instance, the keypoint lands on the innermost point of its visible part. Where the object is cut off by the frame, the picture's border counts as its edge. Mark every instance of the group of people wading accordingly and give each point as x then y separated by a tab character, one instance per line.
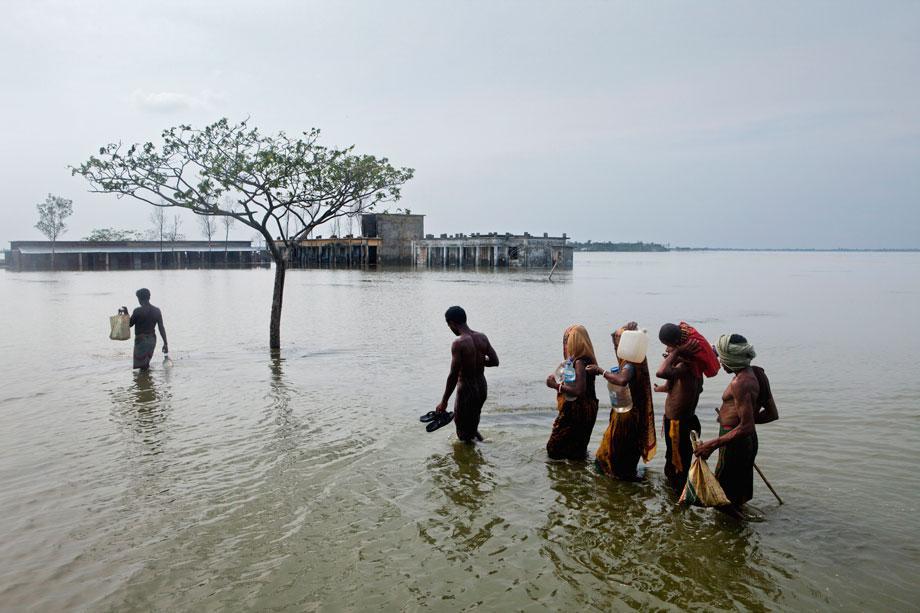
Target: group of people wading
630	435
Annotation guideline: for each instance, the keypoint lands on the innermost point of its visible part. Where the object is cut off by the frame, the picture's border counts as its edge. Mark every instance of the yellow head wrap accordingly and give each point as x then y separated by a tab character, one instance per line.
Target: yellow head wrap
578	344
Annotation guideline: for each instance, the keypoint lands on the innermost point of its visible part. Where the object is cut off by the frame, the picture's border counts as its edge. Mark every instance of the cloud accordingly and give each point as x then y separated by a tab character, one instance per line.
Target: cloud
170	102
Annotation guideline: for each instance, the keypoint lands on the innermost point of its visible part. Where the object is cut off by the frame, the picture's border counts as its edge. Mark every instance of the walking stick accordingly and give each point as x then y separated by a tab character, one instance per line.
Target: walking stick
759	472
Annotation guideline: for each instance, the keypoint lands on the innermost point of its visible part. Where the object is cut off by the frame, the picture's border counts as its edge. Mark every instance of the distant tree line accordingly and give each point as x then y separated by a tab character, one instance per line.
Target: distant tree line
609	246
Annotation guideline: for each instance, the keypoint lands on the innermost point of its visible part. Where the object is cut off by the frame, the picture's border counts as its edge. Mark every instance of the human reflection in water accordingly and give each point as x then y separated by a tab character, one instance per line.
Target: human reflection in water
626	542
466	479
143	407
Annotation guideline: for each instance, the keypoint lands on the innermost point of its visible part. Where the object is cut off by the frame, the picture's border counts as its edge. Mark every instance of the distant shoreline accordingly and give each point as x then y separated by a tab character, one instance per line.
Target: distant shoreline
641	247
799	249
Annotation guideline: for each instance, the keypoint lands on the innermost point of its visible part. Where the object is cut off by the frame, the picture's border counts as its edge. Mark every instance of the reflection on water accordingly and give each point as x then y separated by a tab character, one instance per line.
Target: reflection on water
466	481
634	541
143	407
280	409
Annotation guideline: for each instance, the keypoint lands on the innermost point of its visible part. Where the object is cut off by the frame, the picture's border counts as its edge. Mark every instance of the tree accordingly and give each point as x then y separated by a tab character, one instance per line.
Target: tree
272	180
51	215
99	235
158	232
172	231
208	226
228	222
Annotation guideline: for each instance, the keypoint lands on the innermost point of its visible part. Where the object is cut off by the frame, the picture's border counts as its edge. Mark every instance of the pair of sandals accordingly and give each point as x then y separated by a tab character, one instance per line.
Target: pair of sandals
436	420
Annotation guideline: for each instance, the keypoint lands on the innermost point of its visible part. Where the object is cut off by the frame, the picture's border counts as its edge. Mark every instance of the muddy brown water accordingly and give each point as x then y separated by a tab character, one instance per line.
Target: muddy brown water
235	481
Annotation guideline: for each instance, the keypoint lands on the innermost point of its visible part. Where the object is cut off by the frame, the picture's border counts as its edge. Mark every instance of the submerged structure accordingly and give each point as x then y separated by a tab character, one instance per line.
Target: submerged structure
494	251
132	255
387	240
399	240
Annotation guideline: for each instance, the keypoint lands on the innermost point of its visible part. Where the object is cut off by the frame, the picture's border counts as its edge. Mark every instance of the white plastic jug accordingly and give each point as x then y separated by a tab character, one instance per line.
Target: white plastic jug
633	345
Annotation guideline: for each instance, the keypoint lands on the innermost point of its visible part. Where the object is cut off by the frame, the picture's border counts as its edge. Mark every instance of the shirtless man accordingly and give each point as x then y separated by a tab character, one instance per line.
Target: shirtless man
741	408
145	318
470	354
683	385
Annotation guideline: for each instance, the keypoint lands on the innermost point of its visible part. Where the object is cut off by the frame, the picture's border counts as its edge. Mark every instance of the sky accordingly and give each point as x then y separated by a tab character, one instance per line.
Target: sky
728	124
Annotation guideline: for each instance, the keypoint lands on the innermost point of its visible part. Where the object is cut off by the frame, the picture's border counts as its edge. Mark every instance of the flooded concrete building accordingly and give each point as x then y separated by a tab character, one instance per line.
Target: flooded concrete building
397	234
387	239
132	255
334	252
494	251
399	240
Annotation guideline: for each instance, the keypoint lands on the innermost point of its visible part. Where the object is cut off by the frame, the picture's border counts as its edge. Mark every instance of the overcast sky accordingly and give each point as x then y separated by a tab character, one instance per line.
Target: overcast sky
695	123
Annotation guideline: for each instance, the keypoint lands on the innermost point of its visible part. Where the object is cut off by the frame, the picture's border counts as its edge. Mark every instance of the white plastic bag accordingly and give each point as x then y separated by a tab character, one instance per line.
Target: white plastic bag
121	327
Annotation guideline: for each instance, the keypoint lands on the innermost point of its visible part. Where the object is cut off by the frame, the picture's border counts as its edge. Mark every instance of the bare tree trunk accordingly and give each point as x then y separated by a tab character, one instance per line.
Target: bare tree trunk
274	333
52	254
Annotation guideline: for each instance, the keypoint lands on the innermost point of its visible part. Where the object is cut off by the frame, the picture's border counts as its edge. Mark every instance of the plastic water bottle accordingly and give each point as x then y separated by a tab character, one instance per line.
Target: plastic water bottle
611	388
568	372
620	398
167	362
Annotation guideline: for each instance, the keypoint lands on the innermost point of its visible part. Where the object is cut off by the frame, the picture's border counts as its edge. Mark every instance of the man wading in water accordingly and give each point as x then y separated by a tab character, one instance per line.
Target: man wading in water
683	385
144	319
470	355
747	400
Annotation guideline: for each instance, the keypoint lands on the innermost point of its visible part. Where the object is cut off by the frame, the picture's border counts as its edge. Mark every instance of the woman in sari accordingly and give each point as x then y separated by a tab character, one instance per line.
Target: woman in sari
573	425
630	435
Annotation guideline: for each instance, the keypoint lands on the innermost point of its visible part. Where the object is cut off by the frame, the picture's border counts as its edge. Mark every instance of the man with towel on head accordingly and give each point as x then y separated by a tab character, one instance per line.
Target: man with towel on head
747	400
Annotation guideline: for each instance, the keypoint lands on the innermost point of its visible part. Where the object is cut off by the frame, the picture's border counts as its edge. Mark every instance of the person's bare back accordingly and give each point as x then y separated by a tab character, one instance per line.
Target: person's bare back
473	351
470	354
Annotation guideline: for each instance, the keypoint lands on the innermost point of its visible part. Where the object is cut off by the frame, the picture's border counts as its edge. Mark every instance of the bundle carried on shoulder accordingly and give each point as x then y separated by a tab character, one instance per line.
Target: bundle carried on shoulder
705	359
702	488
766	410
121	327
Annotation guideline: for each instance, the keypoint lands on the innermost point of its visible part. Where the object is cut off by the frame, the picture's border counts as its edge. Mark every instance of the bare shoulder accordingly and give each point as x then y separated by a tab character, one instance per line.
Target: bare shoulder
461	344
745	383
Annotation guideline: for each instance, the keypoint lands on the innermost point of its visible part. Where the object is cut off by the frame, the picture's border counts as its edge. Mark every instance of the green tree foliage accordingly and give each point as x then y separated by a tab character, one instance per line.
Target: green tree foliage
101	235
280	186
609	246
52	214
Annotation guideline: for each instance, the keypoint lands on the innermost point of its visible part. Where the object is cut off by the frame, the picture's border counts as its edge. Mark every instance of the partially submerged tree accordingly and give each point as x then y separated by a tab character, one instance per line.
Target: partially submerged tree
52	214
273	180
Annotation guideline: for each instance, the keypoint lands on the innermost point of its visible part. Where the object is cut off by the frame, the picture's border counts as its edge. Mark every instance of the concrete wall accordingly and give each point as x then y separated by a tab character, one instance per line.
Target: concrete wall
398	234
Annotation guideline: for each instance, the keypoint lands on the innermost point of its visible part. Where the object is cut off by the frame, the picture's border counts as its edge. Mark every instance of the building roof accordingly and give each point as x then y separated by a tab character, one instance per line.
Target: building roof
42	247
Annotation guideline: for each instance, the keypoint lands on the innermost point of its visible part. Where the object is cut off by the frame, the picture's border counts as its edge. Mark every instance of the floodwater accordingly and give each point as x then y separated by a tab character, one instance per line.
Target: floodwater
234	481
